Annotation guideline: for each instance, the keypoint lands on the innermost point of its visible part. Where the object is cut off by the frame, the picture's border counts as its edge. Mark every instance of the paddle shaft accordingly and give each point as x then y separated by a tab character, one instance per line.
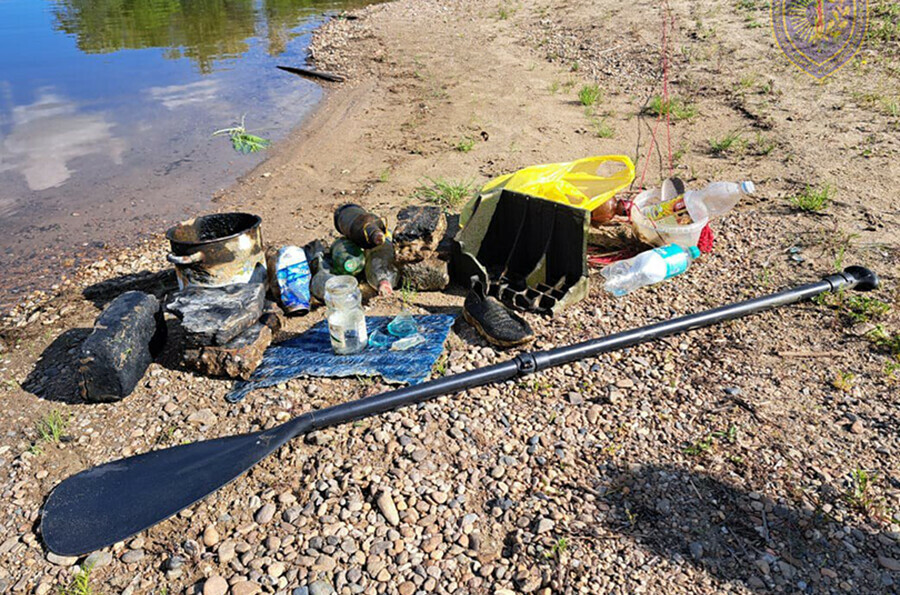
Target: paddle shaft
528	363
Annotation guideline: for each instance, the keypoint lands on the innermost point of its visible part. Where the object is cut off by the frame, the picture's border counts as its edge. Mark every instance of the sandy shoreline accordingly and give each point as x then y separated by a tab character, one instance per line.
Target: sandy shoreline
707	463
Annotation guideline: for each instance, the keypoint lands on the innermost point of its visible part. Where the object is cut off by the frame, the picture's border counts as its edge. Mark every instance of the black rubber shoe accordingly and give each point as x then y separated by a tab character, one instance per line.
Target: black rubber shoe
494	321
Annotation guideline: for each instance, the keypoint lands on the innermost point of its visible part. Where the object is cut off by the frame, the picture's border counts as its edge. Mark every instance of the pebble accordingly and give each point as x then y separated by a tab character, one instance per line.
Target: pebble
321	587
133	556
215	585
696	549
857	427
386	505
226	552
407	588
543	525
210	536
265	513
204	417
891	564
98	560
245	588
61	560
593	414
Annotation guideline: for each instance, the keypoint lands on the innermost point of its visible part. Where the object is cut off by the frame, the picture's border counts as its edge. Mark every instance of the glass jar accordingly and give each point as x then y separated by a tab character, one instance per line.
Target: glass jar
346	319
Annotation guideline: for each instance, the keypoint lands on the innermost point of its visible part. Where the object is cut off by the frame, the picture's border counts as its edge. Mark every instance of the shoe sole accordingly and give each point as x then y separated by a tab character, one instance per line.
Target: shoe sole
493	340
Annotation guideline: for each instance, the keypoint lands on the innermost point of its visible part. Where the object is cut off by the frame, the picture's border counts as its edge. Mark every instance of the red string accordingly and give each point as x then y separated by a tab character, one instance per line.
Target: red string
665	98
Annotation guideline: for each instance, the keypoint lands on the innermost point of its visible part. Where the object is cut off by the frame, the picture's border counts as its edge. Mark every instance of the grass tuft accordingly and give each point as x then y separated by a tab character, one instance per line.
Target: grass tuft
589	95
447	194
675	107
80	585
465	144
813	200
721	146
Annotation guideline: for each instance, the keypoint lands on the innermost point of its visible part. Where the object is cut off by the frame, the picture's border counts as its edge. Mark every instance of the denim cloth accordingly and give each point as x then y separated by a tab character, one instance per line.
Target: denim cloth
310	354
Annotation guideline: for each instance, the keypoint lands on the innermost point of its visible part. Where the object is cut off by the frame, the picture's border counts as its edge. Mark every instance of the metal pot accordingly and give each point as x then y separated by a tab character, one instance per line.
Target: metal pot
216	250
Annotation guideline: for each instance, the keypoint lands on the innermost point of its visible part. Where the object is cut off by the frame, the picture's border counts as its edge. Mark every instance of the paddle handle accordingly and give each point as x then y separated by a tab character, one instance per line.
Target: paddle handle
856	277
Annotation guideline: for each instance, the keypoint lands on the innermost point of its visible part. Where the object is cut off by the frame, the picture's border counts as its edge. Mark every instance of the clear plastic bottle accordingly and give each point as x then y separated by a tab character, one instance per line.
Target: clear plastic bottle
346	257
319	280
648	268
381	268
346	319
694	205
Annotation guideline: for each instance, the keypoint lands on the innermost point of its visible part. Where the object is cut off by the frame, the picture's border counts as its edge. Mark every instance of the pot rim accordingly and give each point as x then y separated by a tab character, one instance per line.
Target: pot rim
169	232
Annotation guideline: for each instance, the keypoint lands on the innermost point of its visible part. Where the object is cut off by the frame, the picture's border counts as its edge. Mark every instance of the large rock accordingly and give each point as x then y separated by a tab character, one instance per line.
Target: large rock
236	359
126	336
216	315
419	231
430	274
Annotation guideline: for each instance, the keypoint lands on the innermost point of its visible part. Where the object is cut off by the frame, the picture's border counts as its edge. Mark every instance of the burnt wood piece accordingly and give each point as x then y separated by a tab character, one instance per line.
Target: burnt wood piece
313	74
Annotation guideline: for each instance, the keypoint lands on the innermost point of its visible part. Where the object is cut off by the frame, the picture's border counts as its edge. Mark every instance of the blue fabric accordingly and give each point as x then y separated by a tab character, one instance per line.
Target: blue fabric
310	354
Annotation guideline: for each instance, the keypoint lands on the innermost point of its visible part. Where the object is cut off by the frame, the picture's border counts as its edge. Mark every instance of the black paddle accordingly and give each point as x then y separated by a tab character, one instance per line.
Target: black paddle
110	502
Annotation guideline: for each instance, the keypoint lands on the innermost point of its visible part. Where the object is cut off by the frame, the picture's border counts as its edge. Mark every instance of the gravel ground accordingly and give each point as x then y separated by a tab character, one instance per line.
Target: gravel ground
758	455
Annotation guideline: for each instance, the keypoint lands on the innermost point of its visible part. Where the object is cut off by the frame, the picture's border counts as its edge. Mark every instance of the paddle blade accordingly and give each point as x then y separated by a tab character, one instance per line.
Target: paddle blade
111	502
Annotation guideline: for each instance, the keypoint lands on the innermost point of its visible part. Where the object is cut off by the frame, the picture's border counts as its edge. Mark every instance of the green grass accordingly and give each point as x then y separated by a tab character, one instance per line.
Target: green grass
385	175
601	128
884	21
813	200
553	87
675	107
885	340
408	293
843	381
706	443
505	11
51	427
762	145
559	548
80	585
855	307
723	145
447	194
465	144
861	498
589	95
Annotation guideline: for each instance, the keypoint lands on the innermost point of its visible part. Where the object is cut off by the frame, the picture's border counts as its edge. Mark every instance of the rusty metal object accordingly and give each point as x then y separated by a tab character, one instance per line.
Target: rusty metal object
216	250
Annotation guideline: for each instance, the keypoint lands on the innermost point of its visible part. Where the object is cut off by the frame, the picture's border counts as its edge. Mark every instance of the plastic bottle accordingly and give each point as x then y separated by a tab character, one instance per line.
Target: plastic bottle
346	319
346	257
291	283
381	268
694	205
361	227
648	268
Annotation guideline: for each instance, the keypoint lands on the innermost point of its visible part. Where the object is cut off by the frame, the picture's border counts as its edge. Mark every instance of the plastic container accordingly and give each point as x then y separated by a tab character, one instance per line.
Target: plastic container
381	268
713	201
679	220
291	282
346	257
648	268
660	233
346	319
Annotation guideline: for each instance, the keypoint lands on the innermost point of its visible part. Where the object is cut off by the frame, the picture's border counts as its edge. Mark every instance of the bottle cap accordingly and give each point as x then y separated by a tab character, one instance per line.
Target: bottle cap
694	251
748	187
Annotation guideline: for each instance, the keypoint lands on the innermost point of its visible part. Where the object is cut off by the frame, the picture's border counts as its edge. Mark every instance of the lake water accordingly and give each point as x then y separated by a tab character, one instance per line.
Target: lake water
107	109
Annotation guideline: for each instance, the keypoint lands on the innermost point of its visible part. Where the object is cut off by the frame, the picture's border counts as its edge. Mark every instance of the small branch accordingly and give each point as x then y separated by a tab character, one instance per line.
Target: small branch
314	74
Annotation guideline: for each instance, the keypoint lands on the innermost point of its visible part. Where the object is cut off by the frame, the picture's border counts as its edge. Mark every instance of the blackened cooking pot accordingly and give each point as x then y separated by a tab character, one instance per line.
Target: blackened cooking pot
216	250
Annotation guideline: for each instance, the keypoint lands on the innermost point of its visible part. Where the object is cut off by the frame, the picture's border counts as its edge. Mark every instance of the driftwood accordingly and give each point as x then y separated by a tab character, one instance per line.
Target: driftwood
314	74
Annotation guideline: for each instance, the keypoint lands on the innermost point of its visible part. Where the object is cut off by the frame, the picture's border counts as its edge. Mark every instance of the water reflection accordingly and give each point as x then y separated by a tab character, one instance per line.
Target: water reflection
49	133
176	96
204	31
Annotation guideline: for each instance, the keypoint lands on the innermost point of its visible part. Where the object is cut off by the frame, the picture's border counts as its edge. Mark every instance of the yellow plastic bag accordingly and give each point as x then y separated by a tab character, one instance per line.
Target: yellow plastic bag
577	183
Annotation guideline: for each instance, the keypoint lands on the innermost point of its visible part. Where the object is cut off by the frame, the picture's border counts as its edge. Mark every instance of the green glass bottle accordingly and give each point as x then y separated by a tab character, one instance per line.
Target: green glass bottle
346	257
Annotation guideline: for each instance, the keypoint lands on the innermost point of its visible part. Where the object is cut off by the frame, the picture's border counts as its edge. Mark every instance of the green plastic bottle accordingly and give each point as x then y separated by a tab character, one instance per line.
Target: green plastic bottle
346	257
